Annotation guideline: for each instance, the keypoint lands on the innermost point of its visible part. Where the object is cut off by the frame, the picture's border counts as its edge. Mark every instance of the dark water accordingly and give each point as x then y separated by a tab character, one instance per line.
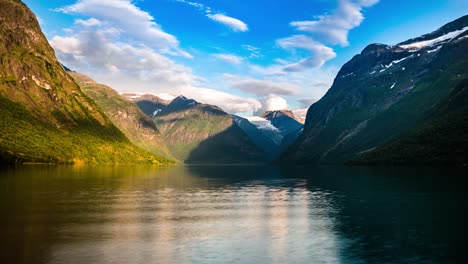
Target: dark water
233	215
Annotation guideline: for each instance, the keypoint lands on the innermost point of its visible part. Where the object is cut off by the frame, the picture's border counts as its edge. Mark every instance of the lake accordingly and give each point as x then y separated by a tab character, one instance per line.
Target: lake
233	214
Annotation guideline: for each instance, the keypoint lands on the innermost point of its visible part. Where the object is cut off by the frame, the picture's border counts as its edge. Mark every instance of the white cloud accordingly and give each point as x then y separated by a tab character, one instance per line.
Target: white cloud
234	24
334	28
320	52
137	69
194	4
130	20
261	87
88	23
230	58
272	103
99	52
228	102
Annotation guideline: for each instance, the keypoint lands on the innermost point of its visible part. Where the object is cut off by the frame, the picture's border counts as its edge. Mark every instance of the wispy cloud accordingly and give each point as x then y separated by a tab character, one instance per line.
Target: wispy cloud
319	52
230	58
306	102
331	29
334	28
233	23
260	87
254	51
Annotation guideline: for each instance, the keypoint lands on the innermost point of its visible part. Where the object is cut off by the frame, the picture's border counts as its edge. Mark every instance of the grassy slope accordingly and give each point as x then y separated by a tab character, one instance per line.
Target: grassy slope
136	125
25	138
45	116
206	134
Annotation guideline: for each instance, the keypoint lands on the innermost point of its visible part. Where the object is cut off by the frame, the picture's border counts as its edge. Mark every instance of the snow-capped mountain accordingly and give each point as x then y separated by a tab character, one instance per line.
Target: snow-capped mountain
388	94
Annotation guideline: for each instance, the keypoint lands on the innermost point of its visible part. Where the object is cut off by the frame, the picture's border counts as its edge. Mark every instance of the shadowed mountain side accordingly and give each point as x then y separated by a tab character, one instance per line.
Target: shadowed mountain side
384	93
258	137
136	125
201	133
227	147
151	105
440	140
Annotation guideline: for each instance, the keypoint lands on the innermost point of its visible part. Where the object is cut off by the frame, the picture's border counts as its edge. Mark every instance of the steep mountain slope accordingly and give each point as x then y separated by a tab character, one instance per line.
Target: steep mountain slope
441	139
261	137
136	125
149	104
44	114
200	133
383	94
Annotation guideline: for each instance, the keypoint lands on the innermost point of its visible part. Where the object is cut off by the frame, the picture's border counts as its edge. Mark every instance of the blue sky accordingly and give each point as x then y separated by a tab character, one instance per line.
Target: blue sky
246	58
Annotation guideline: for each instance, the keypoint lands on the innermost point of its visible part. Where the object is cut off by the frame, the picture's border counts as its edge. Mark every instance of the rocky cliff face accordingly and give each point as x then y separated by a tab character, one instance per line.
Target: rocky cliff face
44	114
382	94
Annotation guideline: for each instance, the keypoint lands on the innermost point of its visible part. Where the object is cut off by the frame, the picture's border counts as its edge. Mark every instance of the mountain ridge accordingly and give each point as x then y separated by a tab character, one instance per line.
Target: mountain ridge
381	94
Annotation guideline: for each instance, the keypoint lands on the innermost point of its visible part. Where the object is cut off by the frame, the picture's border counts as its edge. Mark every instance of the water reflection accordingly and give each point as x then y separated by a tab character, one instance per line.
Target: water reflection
236	214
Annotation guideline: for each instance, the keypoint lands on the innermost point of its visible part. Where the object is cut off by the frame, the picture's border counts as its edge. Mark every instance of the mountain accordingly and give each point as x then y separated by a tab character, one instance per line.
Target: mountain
267	140
201	133
44	114
284	120
149	104
388	99
272	132
139	128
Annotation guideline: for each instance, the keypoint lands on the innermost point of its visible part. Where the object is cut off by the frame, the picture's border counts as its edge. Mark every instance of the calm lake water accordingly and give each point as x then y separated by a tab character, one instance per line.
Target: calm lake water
233	214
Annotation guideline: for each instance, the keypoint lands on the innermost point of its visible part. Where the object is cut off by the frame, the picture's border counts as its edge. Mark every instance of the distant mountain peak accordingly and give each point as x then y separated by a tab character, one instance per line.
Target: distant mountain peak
270	115
374	48
182	102
181	97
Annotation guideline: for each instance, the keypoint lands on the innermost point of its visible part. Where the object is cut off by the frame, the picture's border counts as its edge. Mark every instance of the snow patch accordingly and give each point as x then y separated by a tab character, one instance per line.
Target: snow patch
267	128
372	72
397	61
426	43
349	74
434	50
156	112
392	86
